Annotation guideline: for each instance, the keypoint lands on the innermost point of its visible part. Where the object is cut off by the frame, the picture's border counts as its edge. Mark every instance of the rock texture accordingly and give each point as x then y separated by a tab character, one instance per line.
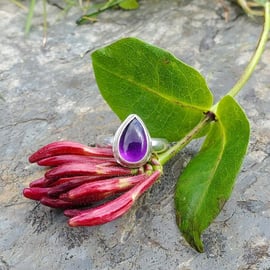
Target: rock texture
50	94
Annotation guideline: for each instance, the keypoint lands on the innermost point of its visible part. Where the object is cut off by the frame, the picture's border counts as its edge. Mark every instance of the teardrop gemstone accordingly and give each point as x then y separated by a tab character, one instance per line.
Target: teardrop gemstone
133	142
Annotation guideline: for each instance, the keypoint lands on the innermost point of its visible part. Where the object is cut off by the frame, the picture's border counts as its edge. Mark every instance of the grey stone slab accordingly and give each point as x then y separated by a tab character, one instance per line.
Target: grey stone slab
50	94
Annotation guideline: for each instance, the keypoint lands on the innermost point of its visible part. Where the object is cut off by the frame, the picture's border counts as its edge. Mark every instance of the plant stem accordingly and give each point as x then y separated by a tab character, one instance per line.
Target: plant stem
19	4
247	7
44	22
172	151
29	17
257	54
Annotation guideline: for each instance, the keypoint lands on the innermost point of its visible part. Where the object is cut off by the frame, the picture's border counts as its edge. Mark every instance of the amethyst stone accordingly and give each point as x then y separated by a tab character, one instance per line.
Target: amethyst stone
132	145
133	142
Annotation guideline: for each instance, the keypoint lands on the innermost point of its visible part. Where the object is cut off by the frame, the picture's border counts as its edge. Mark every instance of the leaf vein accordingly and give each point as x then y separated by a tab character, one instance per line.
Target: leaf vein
152	91
213	172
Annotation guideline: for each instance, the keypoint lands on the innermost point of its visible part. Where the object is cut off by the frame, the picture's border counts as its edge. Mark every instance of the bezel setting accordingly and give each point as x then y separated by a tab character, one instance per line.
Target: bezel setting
117	140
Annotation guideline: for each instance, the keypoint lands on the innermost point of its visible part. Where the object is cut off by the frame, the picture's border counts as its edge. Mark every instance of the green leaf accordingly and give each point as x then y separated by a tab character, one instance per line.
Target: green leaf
135	77
129	4
208	180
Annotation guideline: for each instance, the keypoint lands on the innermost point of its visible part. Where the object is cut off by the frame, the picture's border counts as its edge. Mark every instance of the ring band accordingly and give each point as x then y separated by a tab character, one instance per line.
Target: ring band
132	144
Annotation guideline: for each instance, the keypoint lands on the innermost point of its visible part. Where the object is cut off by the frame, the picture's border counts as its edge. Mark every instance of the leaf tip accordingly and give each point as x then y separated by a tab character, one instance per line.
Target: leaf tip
191	236
194	239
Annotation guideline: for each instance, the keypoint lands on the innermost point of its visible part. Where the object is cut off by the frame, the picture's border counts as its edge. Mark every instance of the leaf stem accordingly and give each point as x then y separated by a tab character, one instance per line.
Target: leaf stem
172	151
257	54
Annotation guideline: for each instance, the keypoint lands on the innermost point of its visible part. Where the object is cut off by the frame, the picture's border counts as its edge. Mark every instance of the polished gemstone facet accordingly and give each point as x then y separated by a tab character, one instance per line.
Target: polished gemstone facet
133	142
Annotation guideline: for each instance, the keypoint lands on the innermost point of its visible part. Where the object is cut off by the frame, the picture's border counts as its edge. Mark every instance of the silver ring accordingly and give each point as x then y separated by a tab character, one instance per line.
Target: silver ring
132	145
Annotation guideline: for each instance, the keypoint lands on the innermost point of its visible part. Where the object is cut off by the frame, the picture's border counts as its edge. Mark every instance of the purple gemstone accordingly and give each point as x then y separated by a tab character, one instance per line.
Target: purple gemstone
133	142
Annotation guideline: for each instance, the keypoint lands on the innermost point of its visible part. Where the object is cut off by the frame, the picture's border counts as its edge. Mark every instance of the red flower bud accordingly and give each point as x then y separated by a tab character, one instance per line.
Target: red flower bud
56	203
86	200
64	159
76	169
113	185
35	193
69	147
41	182
113	209
77	180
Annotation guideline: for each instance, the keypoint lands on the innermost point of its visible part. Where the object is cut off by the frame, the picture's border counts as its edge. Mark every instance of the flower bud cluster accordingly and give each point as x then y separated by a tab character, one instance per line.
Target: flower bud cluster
81	176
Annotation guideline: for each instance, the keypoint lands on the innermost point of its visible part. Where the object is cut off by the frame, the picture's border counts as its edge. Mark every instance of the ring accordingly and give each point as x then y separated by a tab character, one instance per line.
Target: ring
132	145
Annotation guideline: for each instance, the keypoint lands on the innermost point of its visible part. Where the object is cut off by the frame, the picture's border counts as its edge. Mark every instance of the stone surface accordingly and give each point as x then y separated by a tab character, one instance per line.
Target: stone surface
50	94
